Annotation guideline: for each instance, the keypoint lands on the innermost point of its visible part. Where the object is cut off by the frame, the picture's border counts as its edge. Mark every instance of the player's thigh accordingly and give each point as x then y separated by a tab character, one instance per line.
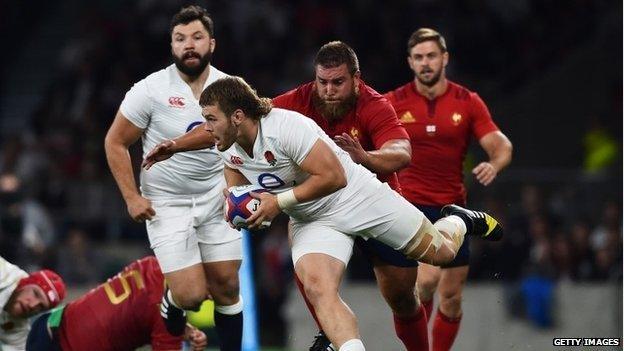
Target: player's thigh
389	219
396	284
319	238
188	285
222	274
452	282
172	235
231	250
385	216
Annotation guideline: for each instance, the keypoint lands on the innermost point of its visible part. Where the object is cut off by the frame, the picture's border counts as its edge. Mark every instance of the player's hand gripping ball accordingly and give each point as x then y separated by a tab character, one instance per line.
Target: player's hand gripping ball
239	205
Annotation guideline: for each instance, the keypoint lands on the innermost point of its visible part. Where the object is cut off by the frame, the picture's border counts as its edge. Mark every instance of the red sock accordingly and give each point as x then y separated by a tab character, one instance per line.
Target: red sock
428	305
444	332
307	302
413	331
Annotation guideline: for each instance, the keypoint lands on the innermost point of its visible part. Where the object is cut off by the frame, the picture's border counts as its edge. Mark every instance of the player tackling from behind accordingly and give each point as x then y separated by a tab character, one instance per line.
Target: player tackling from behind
329	198
363	123
180	199
441	118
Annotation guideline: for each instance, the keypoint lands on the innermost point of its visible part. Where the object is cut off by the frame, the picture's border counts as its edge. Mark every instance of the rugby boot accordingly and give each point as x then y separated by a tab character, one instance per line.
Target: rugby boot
321	343
478	223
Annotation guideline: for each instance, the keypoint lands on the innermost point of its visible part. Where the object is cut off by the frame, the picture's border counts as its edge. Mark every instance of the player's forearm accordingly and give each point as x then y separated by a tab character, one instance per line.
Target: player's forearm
196	139
121	167
318	186
501	156
391	157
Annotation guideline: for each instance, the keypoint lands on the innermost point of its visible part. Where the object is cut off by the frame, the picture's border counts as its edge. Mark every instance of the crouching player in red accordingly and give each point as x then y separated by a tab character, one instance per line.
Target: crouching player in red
121	314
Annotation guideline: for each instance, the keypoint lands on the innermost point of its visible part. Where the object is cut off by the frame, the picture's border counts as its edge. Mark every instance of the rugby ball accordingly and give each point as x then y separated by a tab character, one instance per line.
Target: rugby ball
239	205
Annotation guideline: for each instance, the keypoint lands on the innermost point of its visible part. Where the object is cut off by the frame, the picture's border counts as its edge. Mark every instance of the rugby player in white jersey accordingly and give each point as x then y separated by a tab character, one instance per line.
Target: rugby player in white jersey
180	199
329	198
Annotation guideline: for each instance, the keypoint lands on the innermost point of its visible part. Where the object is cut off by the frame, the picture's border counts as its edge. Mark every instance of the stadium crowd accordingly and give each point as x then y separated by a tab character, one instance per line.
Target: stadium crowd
58	201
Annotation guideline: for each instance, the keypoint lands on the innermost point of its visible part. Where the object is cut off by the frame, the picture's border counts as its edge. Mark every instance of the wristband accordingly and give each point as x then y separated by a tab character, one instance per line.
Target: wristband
286	199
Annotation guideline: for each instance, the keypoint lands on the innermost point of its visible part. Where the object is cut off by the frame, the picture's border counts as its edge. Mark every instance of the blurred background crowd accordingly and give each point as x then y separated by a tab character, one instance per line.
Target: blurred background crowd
550	72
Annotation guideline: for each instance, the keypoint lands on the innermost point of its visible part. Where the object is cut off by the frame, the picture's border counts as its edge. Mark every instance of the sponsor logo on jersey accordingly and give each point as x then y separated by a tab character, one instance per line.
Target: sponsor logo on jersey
407	118
270	181
430	129
268	155
456	118
176	101
236	160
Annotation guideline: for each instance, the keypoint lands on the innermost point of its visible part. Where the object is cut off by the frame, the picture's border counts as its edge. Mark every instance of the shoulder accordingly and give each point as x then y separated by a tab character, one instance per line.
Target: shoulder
460	92
282	122
155	81
216	74
160	78
371	102
400	94
296	98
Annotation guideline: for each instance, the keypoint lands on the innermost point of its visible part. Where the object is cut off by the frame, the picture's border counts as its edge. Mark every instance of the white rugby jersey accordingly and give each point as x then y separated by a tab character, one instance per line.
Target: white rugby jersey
163	106
13	331
284	140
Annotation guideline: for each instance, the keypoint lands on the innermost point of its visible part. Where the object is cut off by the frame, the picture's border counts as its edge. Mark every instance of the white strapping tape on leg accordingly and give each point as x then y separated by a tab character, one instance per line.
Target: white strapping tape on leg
425	229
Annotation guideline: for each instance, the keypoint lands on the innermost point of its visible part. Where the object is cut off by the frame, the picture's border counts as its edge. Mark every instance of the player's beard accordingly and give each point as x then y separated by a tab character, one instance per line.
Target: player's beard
334	111
192	71
431	81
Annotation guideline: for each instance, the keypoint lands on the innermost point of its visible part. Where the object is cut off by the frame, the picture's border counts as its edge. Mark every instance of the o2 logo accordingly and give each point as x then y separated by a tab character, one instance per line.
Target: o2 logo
270	181
193	125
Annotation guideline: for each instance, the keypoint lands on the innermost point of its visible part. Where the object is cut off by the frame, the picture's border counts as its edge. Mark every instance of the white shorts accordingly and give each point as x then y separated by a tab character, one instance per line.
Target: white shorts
191	229
385	216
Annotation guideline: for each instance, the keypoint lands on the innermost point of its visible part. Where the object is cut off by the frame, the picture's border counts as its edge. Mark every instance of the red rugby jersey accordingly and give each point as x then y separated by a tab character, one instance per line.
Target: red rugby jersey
373	121
121	314
440	131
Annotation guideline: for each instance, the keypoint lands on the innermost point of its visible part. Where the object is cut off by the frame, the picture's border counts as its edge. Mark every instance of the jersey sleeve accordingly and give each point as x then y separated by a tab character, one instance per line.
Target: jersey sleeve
297	138
137	105
382	123
481	120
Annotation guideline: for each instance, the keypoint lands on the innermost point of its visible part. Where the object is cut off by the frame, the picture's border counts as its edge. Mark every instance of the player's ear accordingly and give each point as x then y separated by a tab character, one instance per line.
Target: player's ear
213	45
237	116
445	58
357	74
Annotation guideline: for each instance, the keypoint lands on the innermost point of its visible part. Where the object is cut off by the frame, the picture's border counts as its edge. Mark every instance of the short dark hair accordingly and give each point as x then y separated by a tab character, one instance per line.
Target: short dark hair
192	13
334	54
234	93
422	35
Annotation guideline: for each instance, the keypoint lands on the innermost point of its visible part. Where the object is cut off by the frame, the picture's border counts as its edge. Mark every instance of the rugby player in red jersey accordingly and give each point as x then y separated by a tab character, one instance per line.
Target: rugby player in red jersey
441	117
363	123
121	314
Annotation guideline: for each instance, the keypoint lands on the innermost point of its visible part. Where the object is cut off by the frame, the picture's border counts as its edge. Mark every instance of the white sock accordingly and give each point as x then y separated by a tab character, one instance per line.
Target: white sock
231	309
352	345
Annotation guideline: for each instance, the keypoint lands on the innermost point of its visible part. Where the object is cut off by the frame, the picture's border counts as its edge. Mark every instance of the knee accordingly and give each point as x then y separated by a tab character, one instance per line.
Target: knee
444	256
224	287
428	282
450	303
402	302
189	299
316	289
